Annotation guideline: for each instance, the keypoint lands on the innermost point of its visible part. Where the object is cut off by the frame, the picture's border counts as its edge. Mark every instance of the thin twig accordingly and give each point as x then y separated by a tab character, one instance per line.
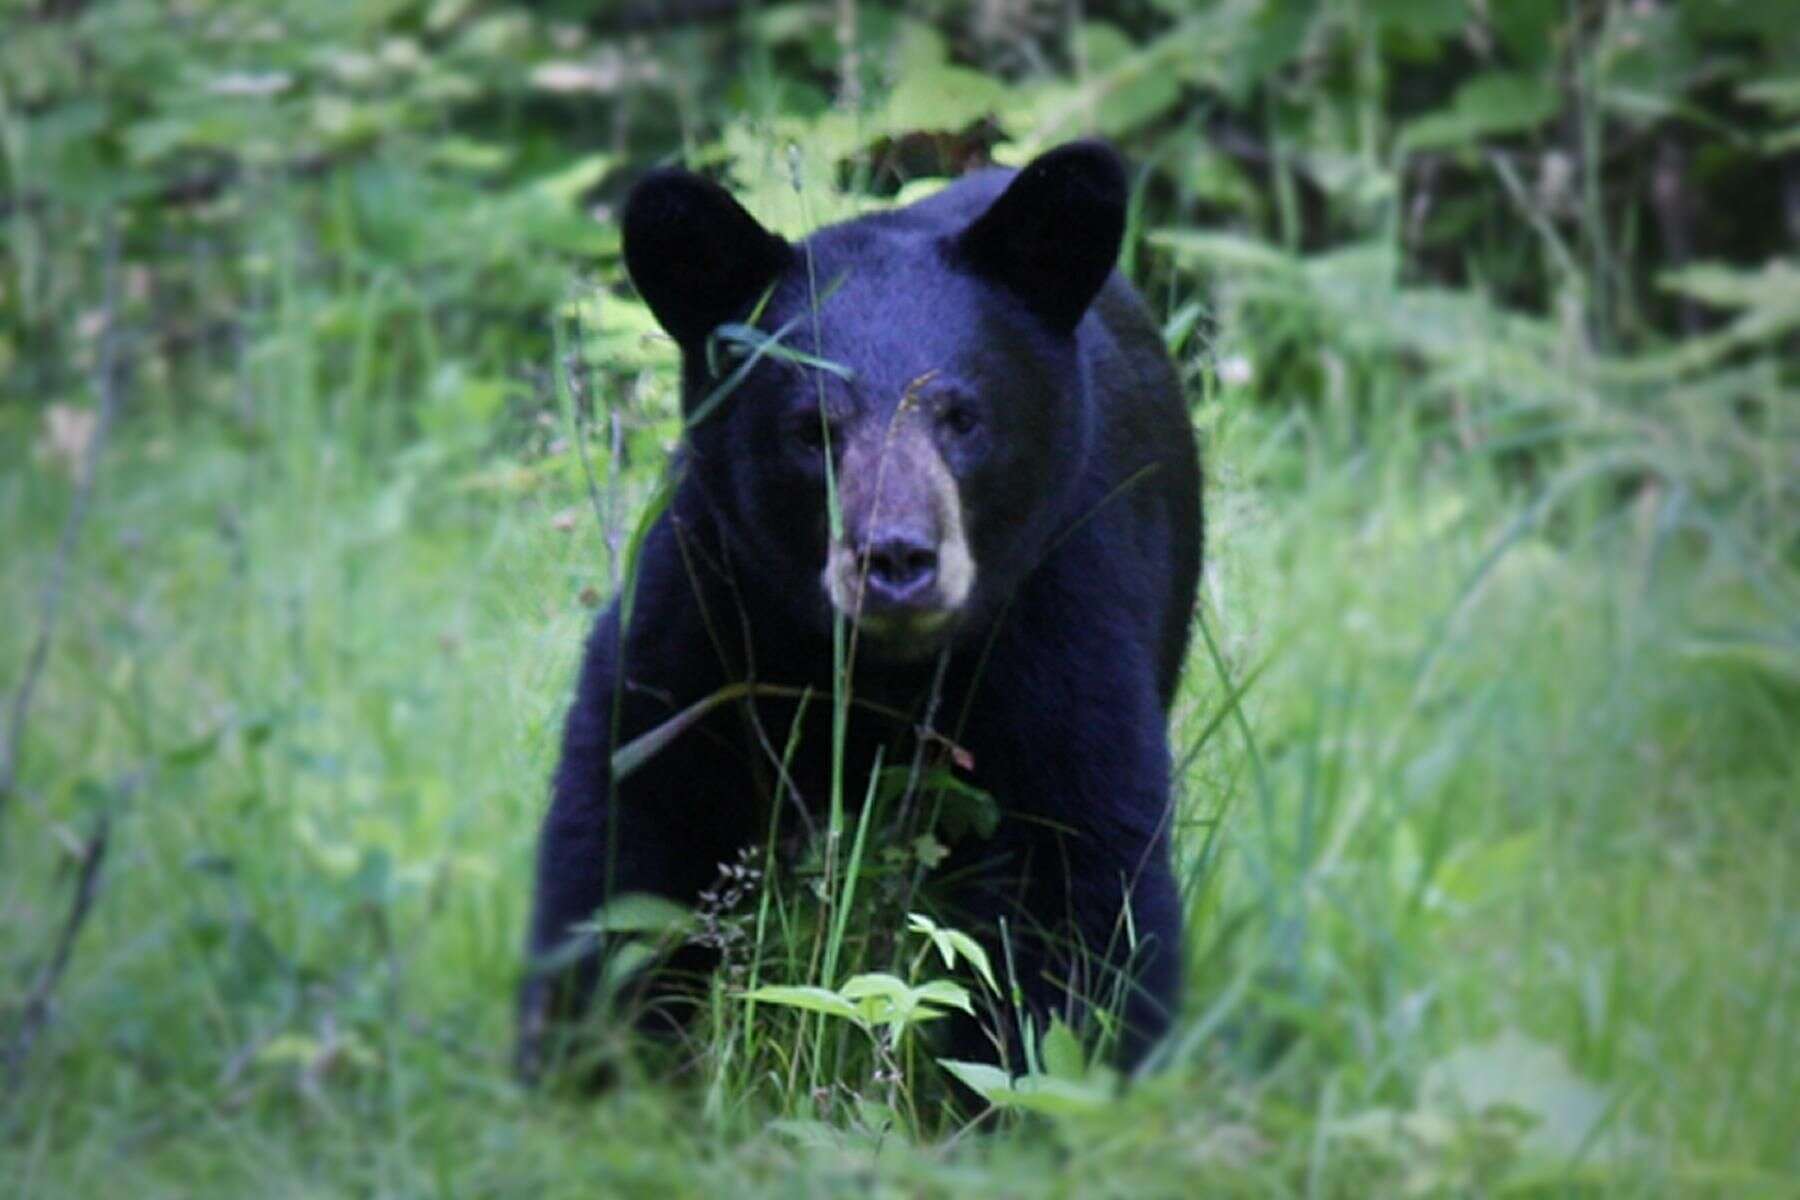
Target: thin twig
1670	201
578	374
36	1010
50	607
849	58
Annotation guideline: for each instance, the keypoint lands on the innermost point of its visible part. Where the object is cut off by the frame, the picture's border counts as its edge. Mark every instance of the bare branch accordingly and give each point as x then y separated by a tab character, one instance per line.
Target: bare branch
36	1010
107	383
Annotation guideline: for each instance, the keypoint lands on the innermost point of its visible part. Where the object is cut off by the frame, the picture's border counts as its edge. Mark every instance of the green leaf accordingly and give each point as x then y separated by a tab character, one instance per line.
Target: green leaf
1529	29
1031	1093
1775	285
972	950
1062	1053
931	93
751	339
879	983
760	344
1495	104
1489	869
984	1079
624	961
1420	18
962	808
642	912
1781	93
1132	87
929	851
289	1049
468	154
647	745
1748	649
945	994
1224	251
952	943
883	999
808	999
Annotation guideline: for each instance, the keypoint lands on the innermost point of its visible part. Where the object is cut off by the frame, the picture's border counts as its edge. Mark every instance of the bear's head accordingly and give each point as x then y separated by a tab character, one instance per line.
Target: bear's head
891	416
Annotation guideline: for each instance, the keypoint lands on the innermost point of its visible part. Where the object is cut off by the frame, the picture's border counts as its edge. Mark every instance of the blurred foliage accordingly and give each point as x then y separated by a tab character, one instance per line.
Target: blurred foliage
1490	315
1572	225
1559	158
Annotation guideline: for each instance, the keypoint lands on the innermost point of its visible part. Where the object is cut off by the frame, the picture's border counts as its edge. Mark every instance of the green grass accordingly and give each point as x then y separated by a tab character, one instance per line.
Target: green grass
1495	776
1489	744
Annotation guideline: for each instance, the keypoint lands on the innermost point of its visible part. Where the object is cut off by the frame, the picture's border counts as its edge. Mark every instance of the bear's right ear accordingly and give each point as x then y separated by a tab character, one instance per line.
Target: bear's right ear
697	258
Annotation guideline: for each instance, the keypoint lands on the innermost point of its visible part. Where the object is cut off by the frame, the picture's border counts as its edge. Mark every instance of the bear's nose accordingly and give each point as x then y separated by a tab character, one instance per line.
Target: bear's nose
901	572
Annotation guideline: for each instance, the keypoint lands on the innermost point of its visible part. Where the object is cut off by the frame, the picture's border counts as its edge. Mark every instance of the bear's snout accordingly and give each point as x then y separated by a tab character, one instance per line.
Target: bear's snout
901	566
902	571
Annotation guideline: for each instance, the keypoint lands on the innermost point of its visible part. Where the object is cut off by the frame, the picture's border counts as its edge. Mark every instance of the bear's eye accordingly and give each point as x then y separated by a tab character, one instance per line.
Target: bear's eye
959	418
809	433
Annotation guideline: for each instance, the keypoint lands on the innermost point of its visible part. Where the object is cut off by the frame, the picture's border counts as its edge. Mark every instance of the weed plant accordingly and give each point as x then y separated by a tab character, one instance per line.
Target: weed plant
1486	752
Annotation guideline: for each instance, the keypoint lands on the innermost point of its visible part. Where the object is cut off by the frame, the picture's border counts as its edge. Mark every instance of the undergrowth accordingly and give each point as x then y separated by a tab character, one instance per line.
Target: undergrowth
1486	750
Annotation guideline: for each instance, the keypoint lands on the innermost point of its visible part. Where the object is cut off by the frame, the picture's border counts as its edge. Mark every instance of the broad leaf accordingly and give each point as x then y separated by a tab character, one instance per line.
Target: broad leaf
808	999
1031	1093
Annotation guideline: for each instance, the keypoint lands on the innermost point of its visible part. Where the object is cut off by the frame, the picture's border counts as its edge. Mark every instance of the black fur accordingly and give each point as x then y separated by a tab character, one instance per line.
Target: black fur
1079	480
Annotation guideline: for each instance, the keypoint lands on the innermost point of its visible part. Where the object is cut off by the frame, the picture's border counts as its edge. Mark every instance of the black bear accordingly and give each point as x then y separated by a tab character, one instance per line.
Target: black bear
995	483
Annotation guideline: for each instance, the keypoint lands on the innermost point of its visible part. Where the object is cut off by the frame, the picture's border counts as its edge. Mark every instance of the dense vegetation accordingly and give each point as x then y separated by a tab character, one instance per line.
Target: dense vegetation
326	417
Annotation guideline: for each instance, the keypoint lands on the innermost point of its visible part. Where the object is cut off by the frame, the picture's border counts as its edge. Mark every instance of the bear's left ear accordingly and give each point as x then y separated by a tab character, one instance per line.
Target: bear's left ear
697	258
1053	236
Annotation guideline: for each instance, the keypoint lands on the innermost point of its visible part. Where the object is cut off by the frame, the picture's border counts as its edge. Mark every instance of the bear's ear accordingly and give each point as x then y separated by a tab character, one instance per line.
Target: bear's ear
1053	236
697	258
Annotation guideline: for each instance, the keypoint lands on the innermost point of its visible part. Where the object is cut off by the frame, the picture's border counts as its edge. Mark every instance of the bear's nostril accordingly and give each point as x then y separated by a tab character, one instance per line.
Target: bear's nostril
900	568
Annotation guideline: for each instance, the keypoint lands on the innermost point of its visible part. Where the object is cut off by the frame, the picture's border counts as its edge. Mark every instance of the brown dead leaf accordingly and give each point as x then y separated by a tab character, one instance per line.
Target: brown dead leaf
68	432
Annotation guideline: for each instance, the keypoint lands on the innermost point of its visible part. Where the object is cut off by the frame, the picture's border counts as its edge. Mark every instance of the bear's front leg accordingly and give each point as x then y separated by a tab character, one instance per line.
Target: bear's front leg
1080	872
1088	935
662	831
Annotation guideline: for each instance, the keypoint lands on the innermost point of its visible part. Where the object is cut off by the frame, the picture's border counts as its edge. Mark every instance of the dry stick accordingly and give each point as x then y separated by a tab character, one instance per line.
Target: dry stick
50	607
577	376
849	59
1672	204
36	1010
